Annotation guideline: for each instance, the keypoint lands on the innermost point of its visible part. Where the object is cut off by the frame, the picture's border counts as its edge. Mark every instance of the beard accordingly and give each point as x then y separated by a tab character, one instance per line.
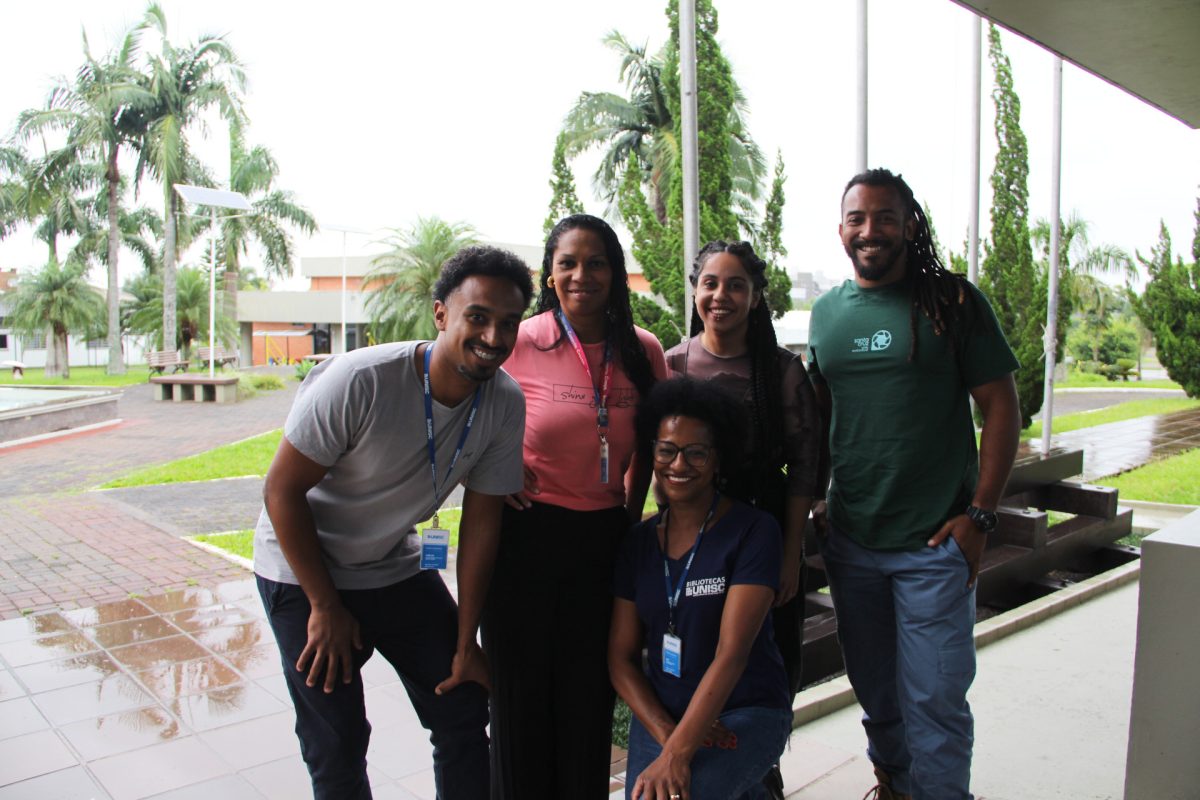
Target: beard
881	266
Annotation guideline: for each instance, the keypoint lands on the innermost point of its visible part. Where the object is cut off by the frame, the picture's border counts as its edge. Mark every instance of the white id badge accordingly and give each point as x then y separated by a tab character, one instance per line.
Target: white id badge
604	461
435	548
672	655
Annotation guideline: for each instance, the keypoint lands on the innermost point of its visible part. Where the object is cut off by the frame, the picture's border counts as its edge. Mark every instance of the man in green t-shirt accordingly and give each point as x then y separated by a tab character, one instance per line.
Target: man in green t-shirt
895	356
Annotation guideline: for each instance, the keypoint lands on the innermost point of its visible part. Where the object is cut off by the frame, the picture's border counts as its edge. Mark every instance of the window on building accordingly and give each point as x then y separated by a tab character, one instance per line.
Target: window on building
97	344
3	341
36	342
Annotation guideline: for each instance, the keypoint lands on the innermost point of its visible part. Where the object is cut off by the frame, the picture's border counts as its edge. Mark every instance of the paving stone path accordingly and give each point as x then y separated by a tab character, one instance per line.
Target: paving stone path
64	546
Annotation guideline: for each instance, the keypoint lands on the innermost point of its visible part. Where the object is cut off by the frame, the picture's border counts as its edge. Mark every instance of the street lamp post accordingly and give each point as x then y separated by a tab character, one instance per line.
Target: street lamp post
214	199
344	229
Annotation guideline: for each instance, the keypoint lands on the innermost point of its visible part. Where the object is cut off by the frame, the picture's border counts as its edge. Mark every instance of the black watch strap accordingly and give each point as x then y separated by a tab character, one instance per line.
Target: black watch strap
985	521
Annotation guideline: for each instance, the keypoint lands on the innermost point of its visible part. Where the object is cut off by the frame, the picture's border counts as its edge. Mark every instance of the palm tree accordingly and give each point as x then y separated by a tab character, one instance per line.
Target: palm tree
252	173
400	283
191	304
56	297
46	193
185	82
98	112
642	125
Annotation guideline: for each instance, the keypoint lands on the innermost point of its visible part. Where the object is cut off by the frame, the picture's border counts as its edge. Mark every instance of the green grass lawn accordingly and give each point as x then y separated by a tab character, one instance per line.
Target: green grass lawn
1170	480
80	376
247	457
1117	413
1089	380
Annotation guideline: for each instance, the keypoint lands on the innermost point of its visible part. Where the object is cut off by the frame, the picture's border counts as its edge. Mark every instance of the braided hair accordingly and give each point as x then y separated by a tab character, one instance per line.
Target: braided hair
941	295
626	344
766	381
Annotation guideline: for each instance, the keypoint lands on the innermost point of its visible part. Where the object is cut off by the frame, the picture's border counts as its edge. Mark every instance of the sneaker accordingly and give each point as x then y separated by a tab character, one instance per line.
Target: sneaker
883	789
773	783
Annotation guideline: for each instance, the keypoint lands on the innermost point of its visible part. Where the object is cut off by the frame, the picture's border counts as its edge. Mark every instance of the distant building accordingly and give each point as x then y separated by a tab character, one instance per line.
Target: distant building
284	326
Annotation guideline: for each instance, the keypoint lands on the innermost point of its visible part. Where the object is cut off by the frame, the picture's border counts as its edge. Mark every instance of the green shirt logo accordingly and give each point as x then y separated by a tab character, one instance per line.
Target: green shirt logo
881	340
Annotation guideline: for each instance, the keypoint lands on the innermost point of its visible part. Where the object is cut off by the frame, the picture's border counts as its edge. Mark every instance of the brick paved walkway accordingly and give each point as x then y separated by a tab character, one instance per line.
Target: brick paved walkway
64	547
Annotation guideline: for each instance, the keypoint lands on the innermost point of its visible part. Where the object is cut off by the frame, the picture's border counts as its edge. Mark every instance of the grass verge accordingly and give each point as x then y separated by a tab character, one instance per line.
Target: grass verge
1088	380
1117	413
1170	480
247	457
80	376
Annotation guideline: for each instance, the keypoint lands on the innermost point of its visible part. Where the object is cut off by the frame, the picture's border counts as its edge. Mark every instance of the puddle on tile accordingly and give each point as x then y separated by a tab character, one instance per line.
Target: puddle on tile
231	638
261	661
87	700
110	734
105	613
198	619
182	600
12	630
132	631
169	681
50	675
156	653
46	648
243	701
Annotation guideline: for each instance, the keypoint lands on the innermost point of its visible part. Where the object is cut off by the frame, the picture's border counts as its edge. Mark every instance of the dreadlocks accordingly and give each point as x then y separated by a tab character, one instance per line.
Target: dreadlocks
761	346
939	294
632	356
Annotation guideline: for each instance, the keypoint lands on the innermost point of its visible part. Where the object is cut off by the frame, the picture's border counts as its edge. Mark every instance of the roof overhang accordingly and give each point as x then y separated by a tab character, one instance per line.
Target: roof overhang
1146	47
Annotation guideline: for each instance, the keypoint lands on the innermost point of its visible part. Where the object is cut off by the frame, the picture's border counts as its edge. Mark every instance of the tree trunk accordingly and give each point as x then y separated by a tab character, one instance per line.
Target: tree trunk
56	363
116	359
170	339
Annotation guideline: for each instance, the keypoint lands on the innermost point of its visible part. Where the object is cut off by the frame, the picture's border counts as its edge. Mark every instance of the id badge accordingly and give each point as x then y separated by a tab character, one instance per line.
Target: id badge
603	460
435	548
672	655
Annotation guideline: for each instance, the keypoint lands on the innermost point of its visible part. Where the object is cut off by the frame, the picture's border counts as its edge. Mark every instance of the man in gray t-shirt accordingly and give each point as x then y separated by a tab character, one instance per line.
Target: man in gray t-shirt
336	553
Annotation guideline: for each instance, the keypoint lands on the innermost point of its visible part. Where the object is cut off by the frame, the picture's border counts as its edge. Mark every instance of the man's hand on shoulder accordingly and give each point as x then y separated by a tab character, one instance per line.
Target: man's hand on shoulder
468	665
969	539
332	633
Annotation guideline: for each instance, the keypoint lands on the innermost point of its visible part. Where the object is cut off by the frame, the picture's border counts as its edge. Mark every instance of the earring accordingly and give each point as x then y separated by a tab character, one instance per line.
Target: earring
550	282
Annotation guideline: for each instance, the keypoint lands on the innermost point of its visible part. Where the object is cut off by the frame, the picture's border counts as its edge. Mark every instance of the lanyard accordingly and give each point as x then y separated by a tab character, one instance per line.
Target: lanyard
462	440
673	596
599	393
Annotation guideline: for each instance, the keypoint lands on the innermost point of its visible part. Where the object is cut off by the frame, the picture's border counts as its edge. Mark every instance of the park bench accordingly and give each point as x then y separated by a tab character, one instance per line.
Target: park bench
160	360
196	387
218	354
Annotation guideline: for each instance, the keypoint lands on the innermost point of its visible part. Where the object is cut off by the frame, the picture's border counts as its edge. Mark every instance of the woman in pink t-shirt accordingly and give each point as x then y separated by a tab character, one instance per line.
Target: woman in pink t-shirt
582	364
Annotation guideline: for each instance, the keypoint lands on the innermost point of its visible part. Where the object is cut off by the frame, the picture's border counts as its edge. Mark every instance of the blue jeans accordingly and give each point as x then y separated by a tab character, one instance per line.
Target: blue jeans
719	774
905	623
414	625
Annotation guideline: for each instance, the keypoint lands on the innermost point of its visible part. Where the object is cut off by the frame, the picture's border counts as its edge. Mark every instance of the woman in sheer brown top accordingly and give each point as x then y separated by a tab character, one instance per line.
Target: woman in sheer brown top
733	343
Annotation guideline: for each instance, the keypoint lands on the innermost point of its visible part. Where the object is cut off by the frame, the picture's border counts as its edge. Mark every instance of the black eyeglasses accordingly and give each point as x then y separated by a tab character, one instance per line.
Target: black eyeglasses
696	455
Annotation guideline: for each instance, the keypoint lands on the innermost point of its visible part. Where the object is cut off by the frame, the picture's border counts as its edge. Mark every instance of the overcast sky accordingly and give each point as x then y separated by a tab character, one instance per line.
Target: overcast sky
379	112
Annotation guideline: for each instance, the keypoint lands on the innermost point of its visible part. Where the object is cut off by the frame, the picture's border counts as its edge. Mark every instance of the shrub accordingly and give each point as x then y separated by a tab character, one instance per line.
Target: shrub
303	367
266	383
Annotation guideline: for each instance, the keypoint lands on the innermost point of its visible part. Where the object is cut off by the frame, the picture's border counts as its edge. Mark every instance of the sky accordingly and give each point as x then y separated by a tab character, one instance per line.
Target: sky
382	112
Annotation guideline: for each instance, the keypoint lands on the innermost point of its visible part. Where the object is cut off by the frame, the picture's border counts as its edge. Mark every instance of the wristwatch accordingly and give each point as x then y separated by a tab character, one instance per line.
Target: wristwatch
985	521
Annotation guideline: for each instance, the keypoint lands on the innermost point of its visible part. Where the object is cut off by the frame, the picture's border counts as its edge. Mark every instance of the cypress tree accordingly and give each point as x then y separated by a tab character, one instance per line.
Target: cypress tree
770	245
563	201
1170	309
1008	274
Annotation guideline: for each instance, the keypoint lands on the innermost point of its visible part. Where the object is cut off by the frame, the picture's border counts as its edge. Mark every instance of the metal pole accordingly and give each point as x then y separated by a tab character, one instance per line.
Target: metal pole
976	113
861	151
212	294
691	161
343	291
1052	294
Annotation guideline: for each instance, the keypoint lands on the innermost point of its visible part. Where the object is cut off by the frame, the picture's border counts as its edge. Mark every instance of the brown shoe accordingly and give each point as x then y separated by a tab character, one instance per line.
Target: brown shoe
883	789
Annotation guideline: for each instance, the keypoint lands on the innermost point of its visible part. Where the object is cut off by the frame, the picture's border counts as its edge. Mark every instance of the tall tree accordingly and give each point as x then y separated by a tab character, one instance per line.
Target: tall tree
185	81
57	299
1008	274
770	245
400	283
48	193
644	125
1170	308
563	200
191	303
252	172
98	111
658	245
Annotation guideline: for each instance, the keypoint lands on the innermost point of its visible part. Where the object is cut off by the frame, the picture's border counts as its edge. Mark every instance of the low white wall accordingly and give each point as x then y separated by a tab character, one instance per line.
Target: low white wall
1164	723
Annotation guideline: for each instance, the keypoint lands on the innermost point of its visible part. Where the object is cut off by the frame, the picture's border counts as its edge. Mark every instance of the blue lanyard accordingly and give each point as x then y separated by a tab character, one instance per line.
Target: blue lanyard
673	596
462	440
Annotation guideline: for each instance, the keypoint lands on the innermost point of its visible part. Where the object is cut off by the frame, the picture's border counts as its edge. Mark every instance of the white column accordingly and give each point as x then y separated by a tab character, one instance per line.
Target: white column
691	158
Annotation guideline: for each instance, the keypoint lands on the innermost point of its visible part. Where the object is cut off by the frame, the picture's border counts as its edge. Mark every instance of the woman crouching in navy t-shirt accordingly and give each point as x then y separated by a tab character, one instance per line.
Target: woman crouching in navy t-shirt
693	586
